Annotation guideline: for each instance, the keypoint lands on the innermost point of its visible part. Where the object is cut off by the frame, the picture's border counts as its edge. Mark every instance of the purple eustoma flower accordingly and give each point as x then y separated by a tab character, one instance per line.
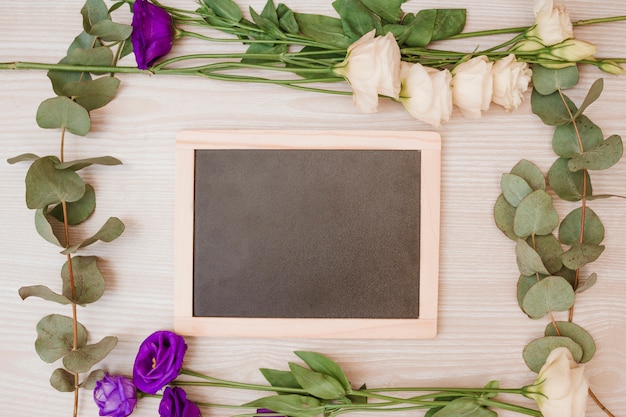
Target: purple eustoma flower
175	404
115	396
153	33
159	361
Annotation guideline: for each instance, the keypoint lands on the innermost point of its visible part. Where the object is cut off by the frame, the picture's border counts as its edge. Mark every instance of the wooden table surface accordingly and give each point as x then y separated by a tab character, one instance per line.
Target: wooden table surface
481	329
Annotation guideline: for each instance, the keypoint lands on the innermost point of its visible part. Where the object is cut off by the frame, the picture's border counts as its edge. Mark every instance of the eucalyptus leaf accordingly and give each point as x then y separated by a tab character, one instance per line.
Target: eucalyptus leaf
83	41
603	156
226	9
43	292
568	185
325	365
388	10
292	405
589	282
572	231
570	275
62	380
324	29
317	384
84	358
79	164
46	185
546	81
92	94
592	95
535	215
356	19
278	378
111	31
553	293
552	109
93	377
580	255
577	334
514	188
549	249
504	213
97	55
537	351
55	337
44	228
63	113
25	157
530	173
87	278
77	211
528	260
94	11
569	138
525	283
110	231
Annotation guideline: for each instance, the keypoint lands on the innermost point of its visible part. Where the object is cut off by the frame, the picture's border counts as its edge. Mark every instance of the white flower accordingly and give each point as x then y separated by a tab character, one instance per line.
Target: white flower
510	82
552	24
561	388
426	93
372	67
472	86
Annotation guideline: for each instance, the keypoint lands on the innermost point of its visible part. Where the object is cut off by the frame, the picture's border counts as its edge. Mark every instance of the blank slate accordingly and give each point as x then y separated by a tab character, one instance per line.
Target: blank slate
307	234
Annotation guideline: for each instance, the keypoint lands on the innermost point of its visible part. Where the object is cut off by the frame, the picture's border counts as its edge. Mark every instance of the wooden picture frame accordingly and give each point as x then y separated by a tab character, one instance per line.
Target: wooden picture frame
424	326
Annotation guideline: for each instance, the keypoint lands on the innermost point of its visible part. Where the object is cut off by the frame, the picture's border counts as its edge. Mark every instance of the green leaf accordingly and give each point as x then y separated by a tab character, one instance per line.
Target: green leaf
577	334
287	19
324	29
94	11
546	81
278	378
47	185
263	48
416	29
603	156
589	282
62	380
537	351
92	94
325	365
566	143
449	22
525	283
267	25
550	251
460	407
93	377
270	13
568	185
43	292
388	10
79	164
110	231
356	19
514	188
592	95
88	280
226	9
63	113
111	31
568	274
571	229
530	173
504	213
55	337
77	211
491	385
552	293
44	228
528	260
316	383
99	56
551	108
292	405
535	215
580	255
25	157
83	359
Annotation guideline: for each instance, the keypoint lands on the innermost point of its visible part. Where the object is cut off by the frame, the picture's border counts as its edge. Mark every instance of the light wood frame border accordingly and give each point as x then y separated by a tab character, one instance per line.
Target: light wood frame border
429	143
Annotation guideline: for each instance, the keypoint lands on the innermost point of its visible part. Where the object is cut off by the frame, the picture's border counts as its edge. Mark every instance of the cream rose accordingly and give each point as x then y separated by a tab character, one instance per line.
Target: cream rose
426	93
372	67
472	86
510	82
552	24
561	388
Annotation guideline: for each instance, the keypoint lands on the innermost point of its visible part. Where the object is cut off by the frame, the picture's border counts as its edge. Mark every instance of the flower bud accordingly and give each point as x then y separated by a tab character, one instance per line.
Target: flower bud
552	23
611	67
571	50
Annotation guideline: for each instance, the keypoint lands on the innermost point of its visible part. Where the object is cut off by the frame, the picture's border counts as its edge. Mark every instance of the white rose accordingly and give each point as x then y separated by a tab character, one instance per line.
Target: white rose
472	86
426	93
372	67
510	82
552	24
561	388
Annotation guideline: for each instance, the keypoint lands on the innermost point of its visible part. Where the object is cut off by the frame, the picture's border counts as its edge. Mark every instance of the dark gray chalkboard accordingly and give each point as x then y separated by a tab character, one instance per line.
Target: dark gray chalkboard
306	233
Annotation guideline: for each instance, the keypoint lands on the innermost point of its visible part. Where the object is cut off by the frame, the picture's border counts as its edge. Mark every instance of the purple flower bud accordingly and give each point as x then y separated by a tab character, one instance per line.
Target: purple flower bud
115	396
175	404
153	33
159	361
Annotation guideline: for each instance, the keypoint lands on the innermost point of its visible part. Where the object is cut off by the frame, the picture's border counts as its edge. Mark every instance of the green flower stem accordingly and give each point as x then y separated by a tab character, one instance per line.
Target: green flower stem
510	407
216	382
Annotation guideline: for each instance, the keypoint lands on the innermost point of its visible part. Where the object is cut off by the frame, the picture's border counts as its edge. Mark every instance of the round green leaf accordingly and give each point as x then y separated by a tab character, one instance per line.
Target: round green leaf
44	228
537	351
61	112
504	213
568	185
84	358
62	380
570	229
551	108
577	334
535	215
553	293
514	188
565	141
530	173
110	31
90	382
47	185
589	282
550	251
77	211
547	81
55	337
42	292
92	94
580	255
88	281
525	283
528	260
603	156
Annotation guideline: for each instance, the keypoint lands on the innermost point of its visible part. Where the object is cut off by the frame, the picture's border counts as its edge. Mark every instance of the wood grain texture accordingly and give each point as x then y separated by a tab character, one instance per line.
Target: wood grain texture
481	329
